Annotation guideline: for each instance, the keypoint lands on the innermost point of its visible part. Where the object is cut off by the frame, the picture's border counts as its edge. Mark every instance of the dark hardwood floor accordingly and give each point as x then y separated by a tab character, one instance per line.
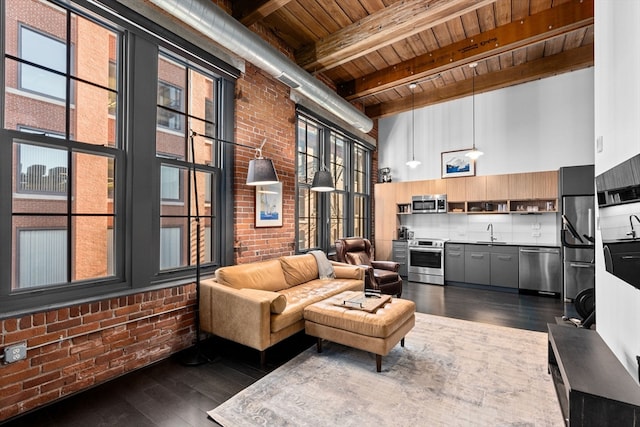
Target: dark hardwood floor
172	394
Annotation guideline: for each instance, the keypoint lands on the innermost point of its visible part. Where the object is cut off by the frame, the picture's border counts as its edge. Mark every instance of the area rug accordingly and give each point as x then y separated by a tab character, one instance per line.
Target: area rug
450	373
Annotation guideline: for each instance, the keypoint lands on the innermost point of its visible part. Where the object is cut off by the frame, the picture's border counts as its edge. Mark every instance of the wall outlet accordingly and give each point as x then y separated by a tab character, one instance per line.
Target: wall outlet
536	234
535	226
15	352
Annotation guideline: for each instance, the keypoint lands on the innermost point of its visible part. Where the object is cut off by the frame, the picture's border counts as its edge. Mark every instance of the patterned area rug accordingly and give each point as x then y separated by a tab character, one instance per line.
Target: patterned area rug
450	373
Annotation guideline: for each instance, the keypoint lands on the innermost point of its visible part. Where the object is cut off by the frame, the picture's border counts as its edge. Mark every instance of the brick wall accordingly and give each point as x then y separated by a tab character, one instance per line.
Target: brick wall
80	346
106	339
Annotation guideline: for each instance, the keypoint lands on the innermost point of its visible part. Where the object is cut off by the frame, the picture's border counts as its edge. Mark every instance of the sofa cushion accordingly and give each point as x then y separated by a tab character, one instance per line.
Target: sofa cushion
278	302
299	269
265	275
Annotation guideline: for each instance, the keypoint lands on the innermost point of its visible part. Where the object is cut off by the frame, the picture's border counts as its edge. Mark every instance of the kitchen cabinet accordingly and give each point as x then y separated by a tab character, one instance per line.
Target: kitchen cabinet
533	185
497	187
456	189
504	266
620	184
476	188
454	262
386	222
494	265
477	264
400	254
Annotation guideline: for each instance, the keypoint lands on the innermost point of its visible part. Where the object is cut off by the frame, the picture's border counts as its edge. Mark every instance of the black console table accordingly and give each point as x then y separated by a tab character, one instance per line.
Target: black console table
593	387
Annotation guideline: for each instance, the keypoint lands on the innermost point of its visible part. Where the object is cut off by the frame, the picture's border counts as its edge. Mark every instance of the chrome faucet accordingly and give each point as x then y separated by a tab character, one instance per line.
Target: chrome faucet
490	227
632	233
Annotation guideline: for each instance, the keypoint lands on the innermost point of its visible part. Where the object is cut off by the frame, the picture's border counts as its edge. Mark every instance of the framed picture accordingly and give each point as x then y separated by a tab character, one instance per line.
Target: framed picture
455	163
269	205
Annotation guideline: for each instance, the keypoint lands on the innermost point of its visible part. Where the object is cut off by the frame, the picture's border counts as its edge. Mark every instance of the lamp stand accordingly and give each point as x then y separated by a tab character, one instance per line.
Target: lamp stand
196	357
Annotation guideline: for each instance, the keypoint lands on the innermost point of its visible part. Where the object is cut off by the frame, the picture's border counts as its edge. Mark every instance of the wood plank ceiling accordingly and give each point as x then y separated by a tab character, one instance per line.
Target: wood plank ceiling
372	49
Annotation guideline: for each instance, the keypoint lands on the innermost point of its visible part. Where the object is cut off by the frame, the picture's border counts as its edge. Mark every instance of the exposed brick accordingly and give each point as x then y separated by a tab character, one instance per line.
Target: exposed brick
58	384
10	390
36	381
60	363
64	324
25	322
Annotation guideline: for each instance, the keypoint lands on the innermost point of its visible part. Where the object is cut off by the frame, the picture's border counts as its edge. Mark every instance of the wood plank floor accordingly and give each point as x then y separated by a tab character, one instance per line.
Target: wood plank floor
172	394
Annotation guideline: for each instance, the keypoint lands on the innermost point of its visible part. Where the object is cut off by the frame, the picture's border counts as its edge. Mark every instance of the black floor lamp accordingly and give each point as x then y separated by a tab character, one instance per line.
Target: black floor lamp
260	172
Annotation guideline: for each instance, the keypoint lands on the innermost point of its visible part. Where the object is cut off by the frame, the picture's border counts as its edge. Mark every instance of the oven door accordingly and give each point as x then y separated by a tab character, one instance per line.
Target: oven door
426	261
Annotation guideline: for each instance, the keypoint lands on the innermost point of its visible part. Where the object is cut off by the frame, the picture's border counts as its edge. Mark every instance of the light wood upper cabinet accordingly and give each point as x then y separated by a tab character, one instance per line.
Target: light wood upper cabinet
476	188
403	191
456	189
533	185
545	185
497	187
520	186
385	211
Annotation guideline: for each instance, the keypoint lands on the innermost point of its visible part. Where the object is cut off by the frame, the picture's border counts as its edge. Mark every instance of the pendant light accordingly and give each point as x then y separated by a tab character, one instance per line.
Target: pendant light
322	180
261	170
413	163
474	153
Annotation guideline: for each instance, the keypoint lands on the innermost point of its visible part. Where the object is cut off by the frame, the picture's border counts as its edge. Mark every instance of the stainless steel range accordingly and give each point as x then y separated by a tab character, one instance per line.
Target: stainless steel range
426	261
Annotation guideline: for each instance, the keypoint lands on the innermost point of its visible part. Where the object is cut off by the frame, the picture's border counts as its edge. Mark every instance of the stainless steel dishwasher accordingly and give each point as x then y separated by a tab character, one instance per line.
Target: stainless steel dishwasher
540	270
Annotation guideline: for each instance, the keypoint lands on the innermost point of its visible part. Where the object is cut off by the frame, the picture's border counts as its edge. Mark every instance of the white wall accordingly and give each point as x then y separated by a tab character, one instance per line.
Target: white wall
535	126
531	127
617	122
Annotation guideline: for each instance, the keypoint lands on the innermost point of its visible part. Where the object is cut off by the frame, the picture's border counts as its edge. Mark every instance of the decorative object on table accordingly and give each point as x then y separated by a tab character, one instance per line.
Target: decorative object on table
269	205
456	163
413	163
474	153
384	175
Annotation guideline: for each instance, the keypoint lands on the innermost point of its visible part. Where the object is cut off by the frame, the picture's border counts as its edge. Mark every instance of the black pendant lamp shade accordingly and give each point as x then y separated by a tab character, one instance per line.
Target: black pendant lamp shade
322	181
261	170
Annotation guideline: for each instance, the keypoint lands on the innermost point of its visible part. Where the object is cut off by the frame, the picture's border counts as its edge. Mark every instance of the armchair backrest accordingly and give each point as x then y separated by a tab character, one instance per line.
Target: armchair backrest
354	250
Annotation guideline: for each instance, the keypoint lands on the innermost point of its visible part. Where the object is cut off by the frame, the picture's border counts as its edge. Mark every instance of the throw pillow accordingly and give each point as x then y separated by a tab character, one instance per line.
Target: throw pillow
277	302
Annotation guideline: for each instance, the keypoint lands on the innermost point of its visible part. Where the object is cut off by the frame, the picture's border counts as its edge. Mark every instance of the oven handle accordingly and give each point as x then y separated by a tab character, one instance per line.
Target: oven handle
426	249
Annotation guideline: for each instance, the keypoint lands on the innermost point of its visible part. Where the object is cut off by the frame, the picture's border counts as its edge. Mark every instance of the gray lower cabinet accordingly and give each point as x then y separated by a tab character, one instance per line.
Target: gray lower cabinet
504	266
493	265
400	254
454	262
477	265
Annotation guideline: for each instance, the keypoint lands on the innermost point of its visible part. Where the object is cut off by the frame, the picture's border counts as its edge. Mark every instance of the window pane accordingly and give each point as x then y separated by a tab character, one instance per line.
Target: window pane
92	184
49	52
338	219
172	244
97	48
172	187
29	111
204	147
42	170
204	193
41	248
90	119
307	219
92	245
359	217
201	95
338	161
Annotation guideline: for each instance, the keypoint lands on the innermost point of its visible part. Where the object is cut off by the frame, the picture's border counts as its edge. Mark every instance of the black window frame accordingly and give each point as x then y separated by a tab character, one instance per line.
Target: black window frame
135	270
323	205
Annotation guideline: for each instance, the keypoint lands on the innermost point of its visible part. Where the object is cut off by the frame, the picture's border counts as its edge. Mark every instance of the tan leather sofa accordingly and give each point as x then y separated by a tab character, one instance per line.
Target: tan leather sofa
260	304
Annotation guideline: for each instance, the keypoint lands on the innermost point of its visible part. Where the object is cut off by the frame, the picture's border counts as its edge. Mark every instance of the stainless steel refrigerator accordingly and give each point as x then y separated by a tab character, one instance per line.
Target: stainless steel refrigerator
578	253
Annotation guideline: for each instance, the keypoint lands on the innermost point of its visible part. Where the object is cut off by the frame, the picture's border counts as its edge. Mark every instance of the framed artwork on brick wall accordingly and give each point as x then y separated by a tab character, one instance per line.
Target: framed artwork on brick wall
269	205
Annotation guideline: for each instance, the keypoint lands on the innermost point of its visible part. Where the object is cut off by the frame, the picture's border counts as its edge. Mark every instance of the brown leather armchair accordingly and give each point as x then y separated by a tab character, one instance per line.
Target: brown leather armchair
381	275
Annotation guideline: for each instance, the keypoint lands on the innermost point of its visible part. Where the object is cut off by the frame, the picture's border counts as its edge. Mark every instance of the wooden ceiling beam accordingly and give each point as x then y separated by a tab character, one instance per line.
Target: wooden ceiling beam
570	60
393	23
251	11
533	29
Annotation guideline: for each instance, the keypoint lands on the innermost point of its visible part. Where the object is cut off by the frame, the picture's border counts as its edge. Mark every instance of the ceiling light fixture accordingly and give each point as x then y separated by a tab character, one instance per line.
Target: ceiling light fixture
413	163
474	153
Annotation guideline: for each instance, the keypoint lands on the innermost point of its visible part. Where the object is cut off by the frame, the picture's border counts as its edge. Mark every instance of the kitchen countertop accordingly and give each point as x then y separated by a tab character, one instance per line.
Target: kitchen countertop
529	244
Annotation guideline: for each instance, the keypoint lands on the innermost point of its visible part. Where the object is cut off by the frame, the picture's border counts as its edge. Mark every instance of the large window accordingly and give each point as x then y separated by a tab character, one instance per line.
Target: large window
105	191
188	172
325	217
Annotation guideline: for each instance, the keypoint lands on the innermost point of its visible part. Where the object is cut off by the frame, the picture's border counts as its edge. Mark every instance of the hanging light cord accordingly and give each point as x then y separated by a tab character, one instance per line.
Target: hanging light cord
473	102
413	123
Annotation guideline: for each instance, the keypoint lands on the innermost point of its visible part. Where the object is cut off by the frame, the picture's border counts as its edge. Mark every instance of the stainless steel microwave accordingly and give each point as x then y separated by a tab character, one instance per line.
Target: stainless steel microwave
432	203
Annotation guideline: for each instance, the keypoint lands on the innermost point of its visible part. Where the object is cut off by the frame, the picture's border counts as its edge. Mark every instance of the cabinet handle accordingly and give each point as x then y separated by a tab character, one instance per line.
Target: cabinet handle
629	257
581	265
504	257
477	256
455	254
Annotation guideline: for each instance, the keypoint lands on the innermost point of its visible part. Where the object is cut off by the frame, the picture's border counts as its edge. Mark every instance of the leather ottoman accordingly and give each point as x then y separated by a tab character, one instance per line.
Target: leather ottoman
377	332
